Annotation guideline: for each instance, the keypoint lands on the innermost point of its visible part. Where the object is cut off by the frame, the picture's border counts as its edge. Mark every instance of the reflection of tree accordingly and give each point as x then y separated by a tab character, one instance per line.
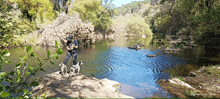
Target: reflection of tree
135	40
131	41
104	44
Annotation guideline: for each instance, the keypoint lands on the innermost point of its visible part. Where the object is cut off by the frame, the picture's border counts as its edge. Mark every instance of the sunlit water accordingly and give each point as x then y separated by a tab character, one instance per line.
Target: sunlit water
113	60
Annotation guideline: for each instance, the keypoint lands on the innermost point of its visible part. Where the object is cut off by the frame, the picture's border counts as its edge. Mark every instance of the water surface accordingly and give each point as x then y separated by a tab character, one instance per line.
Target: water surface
113	60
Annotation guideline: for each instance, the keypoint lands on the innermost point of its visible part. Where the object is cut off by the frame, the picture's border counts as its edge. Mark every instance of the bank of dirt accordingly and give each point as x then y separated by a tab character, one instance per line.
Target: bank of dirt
204	83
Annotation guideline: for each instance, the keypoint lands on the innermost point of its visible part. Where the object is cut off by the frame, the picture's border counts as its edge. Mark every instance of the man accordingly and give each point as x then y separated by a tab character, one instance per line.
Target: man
72	46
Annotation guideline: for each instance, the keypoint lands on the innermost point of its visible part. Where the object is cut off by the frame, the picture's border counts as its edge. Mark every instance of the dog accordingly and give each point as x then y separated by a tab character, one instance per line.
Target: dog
63	68
74	67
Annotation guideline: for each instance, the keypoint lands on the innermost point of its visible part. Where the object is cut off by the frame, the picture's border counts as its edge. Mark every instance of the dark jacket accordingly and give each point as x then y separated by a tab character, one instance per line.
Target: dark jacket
69	44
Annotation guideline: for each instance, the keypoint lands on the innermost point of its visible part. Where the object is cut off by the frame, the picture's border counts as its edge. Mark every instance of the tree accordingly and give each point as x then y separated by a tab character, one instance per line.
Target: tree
40	9
198	18
93	11
56	4
11	24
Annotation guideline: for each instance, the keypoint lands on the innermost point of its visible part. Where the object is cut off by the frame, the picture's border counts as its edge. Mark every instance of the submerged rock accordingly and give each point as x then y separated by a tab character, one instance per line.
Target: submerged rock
55	85
151	55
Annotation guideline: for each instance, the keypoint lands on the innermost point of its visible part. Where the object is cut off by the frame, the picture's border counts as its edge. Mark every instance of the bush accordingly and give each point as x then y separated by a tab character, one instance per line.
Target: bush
13	24
137	26
18	83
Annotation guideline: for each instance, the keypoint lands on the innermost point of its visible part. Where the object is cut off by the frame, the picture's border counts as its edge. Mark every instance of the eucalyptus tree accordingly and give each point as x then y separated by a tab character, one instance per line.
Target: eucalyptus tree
96	11
197	18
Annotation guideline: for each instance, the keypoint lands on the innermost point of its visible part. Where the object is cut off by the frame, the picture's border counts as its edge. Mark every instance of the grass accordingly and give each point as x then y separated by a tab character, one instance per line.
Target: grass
213	71
190	93
115	85
218	81
181	70
181	78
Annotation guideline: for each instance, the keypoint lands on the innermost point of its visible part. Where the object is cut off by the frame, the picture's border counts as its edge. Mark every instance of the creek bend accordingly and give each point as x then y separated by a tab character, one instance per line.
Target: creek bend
112	59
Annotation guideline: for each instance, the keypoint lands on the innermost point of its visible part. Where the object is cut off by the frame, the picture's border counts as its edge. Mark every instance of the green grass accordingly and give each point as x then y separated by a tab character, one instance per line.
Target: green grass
181	78
218	81
190	93
213	71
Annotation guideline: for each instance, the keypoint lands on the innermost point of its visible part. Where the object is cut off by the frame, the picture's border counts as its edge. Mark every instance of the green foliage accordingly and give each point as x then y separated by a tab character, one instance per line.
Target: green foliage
214	71
190	93
103	23
131	7
20	79
36	9
137	26
93	11
181	78
92	75
199	19
11	24
20	17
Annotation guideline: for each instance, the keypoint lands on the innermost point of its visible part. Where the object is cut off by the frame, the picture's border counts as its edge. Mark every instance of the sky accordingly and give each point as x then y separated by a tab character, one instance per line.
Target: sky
118	3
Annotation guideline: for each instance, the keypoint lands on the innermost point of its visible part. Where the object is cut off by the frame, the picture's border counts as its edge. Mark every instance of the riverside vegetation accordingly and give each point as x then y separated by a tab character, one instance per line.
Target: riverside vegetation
173	23
17	83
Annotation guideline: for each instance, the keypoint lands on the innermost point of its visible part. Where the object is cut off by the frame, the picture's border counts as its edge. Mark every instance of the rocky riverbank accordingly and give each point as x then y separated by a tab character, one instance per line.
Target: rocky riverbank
55	85
204	83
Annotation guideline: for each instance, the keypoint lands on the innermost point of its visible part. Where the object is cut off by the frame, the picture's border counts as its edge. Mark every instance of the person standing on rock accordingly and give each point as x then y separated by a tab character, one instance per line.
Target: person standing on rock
72	46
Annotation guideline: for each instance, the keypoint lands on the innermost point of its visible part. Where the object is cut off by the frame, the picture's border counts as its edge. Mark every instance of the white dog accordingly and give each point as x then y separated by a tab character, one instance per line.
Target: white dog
63	68
74	67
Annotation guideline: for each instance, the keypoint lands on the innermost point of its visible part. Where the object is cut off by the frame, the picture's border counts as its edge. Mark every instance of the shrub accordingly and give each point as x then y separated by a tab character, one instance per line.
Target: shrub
136	25
18	83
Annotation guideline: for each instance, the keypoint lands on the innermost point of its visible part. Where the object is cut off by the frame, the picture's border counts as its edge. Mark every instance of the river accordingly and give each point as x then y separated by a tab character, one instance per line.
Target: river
112	59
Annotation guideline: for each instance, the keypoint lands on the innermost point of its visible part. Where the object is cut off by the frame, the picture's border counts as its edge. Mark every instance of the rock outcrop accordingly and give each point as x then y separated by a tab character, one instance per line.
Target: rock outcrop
136	46
63	26
203	83
55	85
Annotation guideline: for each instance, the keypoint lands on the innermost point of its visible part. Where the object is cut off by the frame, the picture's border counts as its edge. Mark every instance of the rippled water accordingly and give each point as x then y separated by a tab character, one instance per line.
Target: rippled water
113	60
134	70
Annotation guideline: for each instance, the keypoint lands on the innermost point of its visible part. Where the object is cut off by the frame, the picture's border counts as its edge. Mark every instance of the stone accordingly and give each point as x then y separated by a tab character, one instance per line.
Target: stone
176	50
192	74
168	49
201	70
151	55
176	81
55	85
164	80
61	28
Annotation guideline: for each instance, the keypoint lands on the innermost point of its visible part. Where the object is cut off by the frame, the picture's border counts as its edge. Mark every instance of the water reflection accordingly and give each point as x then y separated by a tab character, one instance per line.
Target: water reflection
113	60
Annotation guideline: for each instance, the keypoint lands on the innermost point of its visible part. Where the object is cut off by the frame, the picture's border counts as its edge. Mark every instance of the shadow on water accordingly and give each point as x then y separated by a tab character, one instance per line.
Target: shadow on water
113	60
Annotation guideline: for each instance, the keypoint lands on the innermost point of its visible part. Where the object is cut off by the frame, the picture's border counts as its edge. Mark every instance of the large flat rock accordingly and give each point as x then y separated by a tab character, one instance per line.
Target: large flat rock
55	85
